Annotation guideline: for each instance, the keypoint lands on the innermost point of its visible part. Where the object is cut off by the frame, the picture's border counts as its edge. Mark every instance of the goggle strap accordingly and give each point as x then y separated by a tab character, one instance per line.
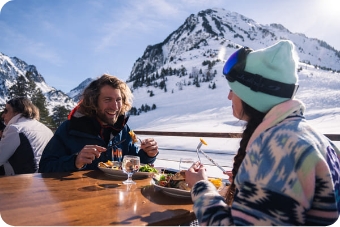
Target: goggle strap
258	83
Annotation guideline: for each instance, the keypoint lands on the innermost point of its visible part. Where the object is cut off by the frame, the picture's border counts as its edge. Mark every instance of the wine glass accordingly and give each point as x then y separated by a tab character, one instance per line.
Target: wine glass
130	165
185	163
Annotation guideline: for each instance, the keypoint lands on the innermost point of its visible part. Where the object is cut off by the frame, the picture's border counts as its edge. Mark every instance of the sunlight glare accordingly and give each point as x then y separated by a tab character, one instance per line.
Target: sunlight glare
329	8
221	54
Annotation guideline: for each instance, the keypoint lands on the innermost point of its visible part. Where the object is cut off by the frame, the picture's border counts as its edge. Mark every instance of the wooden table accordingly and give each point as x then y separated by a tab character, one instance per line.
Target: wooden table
87	198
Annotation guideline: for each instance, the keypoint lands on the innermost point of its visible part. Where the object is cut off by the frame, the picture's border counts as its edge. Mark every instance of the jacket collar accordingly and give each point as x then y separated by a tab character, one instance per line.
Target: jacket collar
15	119
91	125
277	114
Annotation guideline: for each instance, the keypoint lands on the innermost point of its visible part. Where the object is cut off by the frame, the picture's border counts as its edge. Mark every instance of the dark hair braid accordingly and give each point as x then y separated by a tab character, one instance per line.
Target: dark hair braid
255	117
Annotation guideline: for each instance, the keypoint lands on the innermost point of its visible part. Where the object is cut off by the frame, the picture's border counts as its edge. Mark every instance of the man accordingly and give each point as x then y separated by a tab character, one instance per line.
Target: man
98	121
24	138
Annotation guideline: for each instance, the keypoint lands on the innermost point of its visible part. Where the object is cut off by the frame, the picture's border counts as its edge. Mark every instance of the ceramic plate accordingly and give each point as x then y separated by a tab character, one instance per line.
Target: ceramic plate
120	174
174	192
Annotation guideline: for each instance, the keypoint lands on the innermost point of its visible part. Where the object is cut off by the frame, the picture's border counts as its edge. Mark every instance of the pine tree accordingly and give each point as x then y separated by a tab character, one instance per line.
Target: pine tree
59	115
26	87
20	88
39	100
31	86
153	106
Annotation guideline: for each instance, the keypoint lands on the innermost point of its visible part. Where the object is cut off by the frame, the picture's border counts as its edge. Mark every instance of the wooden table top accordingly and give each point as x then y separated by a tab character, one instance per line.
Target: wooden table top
87	198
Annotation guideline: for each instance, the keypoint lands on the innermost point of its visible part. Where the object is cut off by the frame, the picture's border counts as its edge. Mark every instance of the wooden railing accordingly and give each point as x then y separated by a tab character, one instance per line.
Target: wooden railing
333	137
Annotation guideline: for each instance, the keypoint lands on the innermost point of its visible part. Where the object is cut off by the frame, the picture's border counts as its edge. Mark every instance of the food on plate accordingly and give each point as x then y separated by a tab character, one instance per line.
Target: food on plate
133	136
179	176
118	166
109	164
177	180
216	181
148	168
171	180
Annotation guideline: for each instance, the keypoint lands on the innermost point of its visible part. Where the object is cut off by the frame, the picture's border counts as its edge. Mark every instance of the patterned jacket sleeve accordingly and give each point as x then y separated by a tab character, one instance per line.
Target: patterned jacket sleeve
209	206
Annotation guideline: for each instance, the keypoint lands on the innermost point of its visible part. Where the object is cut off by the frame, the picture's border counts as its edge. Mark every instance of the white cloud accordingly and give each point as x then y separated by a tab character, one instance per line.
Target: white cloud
42	51
2	3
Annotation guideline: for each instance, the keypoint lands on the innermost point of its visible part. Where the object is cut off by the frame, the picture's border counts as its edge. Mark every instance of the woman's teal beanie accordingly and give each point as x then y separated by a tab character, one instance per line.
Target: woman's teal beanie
277	62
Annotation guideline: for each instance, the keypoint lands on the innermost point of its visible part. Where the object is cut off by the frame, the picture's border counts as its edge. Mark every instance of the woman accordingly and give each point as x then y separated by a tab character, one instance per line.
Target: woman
24	138
284	173
2	127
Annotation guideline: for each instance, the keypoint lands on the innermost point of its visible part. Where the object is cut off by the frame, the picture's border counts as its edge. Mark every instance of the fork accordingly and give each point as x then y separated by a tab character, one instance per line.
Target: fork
199	147
210	159
115	144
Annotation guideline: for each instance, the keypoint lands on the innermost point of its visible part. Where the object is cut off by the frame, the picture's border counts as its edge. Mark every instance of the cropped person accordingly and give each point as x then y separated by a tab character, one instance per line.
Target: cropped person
23	139
285	172
100	118
2	127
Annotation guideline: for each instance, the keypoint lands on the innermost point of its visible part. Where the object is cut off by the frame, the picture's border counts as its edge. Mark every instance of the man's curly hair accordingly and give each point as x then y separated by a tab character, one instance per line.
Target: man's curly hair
89	99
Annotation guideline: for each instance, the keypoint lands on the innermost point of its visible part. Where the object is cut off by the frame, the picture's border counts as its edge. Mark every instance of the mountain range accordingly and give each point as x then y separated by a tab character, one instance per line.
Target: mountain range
182	75
12	67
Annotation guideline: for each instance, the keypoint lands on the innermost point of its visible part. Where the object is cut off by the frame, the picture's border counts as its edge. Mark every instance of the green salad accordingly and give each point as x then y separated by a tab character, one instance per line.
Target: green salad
147	168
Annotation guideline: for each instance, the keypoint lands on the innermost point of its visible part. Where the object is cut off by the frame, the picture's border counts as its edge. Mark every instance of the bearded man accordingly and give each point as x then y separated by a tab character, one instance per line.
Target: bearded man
96	124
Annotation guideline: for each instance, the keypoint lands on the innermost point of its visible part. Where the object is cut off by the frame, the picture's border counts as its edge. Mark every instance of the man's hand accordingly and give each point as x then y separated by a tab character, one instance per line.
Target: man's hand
150	147
88	154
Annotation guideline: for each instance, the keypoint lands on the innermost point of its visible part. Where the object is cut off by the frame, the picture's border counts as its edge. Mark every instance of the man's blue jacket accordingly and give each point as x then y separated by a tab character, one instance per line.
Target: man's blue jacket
60	153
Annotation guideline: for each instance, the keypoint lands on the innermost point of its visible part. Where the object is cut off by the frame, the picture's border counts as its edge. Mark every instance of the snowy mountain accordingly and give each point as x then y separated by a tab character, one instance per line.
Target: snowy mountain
214	34
182	75
12	67
76	92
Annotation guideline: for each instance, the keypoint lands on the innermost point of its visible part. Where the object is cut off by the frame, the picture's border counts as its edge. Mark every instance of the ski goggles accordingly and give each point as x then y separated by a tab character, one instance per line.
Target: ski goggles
234	71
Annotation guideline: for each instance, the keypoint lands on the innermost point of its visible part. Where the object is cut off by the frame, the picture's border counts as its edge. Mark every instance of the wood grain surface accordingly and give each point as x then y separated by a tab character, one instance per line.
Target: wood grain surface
87	198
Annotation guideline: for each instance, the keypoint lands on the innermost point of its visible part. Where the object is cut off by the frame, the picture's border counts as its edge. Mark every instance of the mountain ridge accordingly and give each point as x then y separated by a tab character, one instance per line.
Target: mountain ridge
160	72
228	27
13	67
193	54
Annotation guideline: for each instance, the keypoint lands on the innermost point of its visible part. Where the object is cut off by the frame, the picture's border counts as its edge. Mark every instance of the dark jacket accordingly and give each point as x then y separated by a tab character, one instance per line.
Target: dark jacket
72	135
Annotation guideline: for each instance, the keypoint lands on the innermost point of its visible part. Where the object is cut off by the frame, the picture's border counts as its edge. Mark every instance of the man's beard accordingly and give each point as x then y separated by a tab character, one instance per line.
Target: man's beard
103	118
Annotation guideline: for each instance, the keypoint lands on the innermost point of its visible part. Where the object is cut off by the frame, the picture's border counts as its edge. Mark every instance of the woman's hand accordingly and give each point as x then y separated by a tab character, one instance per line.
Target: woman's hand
230	175
195	173
88	154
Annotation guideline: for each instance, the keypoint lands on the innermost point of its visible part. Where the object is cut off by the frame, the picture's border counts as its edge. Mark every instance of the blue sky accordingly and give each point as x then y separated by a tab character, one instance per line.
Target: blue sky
71	40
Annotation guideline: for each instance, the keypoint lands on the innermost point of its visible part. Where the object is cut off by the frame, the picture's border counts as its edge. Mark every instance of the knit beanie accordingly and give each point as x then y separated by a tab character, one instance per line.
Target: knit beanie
277	62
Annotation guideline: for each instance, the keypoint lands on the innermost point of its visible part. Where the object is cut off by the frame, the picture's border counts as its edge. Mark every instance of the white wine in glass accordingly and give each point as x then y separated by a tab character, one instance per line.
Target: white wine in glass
130	165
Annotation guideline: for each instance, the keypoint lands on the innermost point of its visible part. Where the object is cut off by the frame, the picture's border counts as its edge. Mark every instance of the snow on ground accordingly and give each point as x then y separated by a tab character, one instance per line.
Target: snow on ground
191	109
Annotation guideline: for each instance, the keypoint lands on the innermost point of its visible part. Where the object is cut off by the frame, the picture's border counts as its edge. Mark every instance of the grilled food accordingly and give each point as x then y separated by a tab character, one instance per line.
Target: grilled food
133	136
179	176
110	164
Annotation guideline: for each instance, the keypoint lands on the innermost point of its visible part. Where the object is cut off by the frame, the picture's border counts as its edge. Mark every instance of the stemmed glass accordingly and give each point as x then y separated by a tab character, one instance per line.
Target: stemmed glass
185	163
130	165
